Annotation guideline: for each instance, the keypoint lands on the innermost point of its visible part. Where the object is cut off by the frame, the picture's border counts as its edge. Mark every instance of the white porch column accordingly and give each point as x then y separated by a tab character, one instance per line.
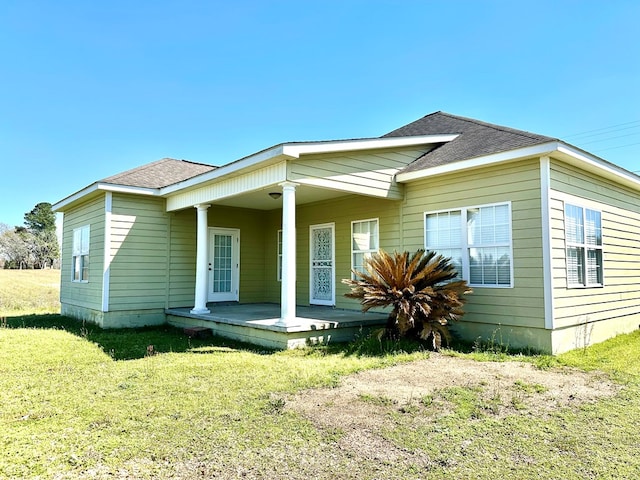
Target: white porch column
288	285
200	305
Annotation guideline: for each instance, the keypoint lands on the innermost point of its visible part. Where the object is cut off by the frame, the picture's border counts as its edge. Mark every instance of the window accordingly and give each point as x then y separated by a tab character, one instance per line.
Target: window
364	242
279	267
80	255
478	241
444	235
583	234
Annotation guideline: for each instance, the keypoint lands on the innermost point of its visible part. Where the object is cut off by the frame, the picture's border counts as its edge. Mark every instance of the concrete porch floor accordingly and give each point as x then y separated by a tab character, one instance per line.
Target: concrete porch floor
257	323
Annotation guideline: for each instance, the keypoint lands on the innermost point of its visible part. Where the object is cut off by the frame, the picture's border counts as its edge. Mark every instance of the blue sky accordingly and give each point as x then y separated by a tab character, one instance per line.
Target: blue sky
89	89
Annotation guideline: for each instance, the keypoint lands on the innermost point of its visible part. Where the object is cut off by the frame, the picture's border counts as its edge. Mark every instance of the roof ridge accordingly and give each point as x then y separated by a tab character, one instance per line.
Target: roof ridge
501	128
192	162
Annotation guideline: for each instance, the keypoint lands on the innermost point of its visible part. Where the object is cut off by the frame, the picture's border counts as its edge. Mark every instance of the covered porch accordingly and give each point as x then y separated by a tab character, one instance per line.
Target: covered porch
261	324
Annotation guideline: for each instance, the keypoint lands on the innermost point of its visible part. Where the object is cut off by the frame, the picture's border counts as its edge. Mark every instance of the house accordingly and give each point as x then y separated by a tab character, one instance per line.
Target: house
547	235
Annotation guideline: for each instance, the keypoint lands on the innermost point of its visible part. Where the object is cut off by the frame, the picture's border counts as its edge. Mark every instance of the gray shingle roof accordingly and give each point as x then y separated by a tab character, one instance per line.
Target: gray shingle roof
159	174
475	139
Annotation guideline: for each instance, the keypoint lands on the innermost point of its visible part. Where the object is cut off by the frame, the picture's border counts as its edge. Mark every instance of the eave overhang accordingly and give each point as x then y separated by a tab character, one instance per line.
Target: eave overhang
98	187
295	150
555	149
264	158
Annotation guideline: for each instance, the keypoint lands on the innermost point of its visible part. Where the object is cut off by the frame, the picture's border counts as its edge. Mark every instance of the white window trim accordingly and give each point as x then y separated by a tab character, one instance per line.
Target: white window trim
583	245
371	250
82	253
465	245
279	245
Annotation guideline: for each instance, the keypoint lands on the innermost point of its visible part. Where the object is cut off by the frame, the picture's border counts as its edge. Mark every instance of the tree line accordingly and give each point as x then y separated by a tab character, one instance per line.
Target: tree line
34	245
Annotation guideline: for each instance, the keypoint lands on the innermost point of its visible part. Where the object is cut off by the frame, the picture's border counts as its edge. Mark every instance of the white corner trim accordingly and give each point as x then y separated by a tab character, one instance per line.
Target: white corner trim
106	268
547	264
536	150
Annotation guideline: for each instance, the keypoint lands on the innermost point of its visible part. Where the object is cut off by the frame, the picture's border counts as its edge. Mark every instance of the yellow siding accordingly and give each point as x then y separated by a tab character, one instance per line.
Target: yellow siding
368	173
182	258
273	223
251	224
182	265
342	212
139	260
618	302
519	183
84	295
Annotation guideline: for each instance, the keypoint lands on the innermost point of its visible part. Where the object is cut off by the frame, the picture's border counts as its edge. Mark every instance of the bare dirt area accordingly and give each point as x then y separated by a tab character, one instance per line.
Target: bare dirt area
359	408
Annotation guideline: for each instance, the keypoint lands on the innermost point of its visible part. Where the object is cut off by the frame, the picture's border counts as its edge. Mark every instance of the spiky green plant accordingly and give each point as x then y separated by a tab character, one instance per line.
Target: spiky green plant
421	289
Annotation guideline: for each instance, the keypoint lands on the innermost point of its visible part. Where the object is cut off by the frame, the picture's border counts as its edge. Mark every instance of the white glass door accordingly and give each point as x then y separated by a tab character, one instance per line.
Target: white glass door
322	252
224	264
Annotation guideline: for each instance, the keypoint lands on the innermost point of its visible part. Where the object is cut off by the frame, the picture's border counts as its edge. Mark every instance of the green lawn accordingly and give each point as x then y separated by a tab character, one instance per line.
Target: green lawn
79	402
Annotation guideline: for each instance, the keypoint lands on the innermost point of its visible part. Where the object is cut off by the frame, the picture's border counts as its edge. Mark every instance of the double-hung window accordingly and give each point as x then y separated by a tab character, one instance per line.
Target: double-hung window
478	241
583	234
364	242
80	255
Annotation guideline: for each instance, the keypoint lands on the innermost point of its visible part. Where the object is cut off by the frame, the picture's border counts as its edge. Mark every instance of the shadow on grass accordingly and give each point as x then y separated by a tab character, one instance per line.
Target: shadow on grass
133	343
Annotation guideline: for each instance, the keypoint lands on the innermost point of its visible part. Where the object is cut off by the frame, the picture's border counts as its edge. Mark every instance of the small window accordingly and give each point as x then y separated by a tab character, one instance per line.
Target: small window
364	242
80	255
279	274
583	237
478	241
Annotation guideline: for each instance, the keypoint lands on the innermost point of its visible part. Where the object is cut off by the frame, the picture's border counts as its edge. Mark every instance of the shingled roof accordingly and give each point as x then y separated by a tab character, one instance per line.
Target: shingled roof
475	139
159	174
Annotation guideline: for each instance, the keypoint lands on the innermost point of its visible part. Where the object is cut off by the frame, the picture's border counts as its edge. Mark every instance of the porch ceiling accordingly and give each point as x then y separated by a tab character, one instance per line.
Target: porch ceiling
260	199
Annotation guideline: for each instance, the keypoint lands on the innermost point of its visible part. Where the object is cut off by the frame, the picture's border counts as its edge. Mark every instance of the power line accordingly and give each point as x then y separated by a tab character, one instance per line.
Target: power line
589	132
618	146
610	138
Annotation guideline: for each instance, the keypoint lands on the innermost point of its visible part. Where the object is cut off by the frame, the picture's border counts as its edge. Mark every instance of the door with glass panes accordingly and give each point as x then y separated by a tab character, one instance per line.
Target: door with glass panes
224	265
322	269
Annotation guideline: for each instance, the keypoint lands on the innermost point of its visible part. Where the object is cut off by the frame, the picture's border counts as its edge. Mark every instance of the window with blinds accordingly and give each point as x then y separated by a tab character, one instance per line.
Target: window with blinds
478	241
583	237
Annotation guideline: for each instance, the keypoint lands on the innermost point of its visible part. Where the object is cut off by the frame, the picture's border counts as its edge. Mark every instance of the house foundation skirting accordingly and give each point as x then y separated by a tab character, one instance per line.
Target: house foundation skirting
260	324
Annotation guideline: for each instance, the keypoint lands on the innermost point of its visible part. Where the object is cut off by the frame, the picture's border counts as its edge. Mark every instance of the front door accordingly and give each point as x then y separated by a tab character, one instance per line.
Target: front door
224	265
322	281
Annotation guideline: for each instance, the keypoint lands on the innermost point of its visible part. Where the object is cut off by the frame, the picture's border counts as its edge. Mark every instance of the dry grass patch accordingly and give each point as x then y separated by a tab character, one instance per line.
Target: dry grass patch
29	292
364	405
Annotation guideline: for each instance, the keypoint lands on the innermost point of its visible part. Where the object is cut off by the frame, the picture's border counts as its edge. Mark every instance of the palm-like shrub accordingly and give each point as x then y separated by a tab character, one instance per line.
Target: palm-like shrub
419	287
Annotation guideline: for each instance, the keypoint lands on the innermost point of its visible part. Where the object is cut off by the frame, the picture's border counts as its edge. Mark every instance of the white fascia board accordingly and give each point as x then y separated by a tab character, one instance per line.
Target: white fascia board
601	167
294	150
536	150
106	187
227	169
297	149
564	151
